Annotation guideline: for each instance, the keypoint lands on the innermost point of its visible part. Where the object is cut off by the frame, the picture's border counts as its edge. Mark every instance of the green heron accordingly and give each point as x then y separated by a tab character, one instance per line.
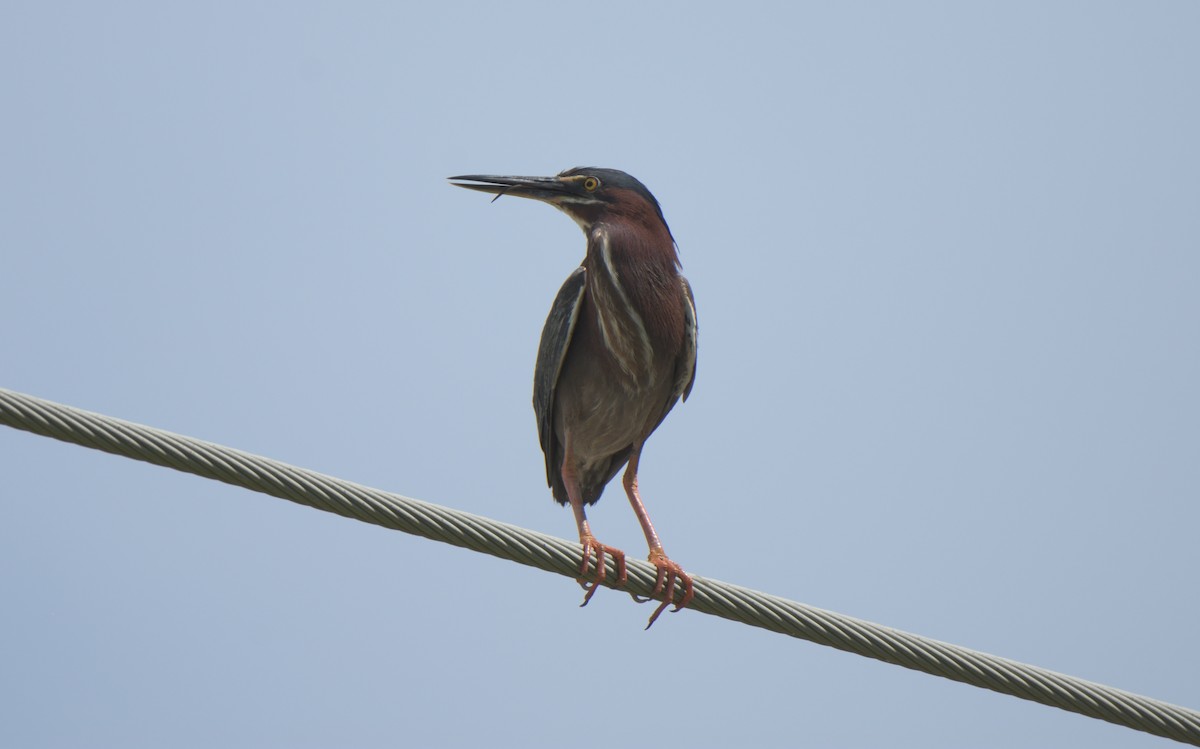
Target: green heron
617	352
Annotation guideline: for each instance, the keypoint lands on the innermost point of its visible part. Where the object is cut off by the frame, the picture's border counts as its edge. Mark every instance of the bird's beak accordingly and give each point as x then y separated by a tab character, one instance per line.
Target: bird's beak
539	188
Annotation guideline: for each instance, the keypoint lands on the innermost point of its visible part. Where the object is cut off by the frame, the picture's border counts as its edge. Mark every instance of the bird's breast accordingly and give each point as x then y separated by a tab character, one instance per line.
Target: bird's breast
637	311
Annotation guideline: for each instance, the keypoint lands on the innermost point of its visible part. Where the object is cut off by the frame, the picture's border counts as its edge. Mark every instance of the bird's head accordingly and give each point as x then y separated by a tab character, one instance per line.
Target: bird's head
589	195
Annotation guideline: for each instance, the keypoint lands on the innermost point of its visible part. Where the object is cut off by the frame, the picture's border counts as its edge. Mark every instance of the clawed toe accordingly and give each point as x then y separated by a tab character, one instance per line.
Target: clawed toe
592	546
664	583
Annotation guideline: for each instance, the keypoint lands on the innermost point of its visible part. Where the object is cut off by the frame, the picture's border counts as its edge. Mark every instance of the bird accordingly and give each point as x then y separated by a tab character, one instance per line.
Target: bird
617	352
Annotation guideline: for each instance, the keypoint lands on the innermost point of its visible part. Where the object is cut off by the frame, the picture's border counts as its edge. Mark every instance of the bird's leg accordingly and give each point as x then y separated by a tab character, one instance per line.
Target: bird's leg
668	571
588	541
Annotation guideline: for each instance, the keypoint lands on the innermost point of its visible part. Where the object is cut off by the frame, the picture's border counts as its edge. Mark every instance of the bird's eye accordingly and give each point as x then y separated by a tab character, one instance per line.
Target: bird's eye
590	184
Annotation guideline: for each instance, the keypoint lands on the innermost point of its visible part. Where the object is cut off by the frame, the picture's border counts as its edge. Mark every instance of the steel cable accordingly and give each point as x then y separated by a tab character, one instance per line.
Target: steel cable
562	557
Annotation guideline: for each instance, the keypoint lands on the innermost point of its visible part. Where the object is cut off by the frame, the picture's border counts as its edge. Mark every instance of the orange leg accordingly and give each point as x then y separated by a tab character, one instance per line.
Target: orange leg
588	541
668	571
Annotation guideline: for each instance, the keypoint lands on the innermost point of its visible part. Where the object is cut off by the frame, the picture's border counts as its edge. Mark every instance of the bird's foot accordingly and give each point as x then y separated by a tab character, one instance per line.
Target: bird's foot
592	546
668	572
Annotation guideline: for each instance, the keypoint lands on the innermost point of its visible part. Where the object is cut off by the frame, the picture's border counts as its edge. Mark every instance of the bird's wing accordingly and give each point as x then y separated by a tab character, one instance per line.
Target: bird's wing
552	350
685	365
686	376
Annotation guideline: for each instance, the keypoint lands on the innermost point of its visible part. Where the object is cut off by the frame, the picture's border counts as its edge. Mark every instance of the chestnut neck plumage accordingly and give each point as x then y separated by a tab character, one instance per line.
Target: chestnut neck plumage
634	289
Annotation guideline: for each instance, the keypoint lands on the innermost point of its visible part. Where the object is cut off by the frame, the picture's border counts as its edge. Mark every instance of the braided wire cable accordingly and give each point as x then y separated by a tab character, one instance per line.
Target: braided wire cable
562	557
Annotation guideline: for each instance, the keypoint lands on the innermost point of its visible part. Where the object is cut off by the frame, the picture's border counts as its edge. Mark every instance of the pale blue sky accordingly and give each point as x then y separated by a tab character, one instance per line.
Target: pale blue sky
946	263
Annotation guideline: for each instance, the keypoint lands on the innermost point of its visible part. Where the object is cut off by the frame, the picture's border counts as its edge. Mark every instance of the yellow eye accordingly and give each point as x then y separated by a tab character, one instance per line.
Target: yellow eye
590	184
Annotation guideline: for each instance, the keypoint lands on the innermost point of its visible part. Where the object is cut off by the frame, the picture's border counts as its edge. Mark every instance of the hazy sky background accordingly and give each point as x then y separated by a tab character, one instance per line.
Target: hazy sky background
946	263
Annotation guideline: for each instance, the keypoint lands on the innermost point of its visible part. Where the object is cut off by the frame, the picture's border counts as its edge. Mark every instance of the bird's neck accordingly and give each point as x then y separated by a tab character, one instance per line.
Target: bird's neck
633	284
